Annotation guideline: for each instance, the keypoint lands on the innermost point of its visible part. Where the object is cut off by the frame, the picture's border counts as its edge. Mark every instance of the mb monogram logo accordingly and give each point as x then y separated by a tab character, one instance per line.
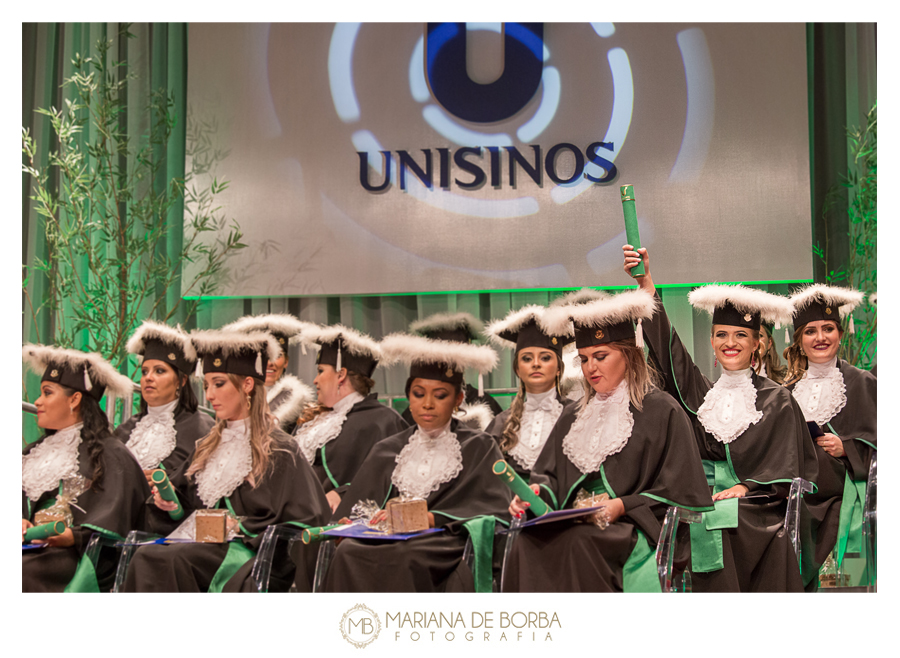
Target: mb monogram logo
360	626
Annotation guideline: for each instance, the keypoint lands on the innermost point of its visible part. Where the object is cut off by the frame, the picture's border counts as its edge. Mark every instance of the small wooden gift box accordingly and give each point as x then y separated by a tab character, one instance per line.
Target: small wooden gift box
407	515
210	526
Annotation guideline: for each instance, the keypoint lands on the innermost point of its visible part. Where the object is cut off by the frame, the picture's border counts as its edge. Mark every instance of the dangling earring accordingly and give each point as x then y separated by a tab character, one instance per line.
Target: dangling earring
753	362
456	409
558	391
716	362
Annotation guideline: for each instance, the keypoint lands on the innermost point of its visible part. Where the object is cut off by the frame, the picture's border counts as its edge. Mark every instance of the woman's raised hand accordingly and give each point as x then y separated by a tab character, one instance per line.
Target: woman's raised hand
633	258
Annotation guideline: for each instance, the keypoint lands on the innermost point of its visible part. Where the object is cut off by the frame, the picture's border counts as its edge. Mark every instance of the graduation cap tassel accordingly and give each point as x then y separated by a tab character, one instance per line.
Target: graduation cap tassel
338	364
87	380
198	371
639	335
480	385
787	337
258	365
303	349
852	328
778	325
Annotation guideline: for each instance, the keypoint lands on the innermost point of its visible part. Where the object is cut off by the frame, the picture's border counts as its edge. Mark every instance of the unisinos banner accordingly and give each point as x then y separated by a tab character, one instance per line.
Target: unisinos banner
390	158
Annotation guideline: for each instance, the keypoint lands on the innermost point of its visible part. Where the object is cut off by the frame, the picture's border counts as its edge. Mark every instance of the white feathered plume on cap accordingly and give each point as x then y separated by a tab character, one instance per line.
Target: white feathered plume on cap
405	348
632	305
476	415
356	343
151	330
513	322
582	296
845	298
281	323
233	343
97	369
773	309
448	321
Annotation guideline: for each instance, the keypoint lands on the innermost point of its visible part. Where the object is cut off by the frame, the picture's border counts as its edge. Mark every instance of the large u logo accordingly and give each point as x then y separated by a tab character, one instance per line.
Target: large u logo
445	59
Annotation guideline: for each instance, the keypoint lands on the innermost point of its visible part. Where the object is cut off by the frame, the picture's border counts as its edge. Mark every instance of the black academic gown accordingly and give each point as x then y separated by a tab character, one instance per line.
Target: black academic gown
659	466
367	423
425	564
113	511
495	429
471	397
757	555
857	427
289	493
189	428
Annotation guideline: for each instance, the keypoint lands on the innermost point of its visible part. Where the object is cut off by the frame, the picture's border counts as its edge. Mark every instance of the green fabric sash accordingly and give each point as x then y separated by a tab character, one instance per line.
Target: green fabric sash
235	558
640	573
706	536
481	530
334	482
850	522
85	578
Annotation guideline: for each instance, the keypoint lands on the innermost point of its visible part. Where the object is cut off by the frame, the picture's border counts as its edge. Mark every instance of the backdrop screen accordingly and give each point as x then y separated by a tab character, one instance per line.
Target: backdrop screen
392	158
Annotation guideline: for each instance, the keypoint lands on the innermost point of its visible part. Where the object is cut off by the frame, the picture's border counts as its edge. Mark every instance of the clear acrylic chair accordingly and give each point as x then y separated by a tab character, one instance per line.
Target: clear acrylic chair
98	542
134	539
262	566
870	526
665	550
799	486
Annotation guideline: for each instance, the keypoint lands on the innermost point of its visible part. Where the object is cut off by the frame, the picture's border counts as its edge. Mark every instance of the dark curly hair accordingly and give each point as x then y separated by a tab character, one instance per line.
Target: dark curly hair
93	433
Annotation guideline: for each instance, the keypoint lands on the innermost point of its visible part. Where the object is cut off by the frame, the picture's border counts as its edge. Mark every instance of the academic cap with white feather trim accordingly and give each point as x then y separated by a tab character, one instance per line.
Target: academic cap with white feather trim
87	372
234	352
171	345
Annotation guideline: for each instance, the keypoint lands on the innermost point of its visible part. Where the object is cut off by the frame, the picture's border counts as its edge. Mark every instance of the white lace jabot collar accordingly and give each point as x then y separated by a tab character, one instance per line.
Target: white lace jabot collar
602	428
55	458
540	413
821	393
228	466
153	437
429	460
729	407
326	426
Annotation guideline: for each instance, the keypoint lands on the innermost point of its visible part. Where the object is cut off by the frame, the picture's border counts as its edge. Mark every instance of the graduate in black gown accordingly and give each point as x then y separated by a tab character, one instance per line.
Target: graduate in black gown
246	465
163	434
336	434
76	473
286	394
626	439
460	328
439	460
522	430
842	401
752	437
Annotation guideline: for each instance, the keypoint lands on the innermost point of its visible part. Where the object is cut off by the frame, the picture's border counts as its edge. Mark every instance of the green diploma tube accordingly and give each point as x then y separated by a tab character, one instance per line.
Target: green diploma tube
631	226
166	492
311	535
45	531
519	487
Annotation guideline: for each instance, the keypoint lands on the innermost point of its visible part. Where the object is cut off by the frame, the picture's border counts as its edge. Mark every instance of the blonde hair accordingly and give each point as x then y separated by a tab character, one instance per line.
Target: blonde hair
261	424
360	383
796	358
640	376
